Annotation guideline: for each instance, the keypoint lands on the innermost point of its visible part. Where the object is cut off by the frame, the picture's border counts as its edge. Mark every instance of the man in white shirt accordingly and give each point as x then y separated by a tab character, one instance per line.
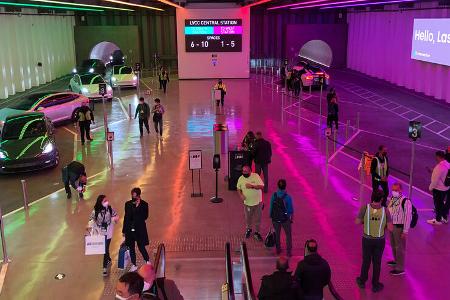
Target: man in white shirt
250	188
439	189
400	209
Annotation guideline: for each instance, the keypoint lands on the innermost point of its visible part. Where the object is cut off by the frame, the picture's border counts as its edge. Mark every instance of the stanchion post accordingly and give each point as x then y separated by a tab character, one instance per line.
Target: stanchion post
111	156
411	169
25	194
129	111
320	104
139	83
2	233
346	129
105	117
357	120
334	141
361	178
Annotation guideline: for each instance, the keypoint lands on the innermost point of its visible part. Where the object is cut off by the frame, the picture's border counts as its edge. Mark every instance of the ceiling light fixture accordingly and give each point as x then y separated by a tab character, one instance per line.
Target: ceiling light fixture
134	4
370	3
327	4
48	6
298	3
257	3
170	3
82	5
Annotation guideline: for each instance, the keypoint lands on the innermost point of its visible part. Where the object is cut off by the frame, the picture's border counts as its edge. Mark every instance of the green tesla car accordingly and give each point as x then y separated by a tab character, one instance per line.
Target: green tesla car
27	143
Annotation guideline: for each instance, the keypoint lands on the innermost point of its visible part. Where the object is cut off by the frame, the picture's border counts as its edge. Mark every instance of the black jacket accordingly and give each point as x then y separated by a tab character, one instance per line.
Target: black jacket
374	165
277	286
76	168
135	218
313	273
143	110
263	151
333	109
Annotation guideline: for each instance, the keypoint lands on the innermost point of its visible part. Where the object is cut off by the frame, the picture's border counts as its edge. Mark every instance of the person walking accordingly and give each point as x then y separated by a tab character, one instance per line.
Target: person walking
85	117
400	209
73	172
134	228
375	218
281	212
263	156
279	285
220	86
379	169
313	273
101	221
160	75
164	79
297	84
158	112
249	187
333	114
439	189
331	94
248	144
143	111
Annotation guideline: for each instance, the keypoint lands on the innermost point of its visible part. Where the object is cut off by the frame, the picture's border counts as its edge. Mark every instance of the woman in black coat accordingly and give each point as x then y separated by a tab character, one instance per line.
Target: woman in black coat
134	228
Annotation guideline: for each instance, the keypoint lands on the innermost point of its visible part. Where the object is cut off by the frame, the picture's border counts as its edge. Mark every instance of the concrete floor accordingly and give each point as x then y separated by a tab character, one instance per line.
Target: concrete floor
49	238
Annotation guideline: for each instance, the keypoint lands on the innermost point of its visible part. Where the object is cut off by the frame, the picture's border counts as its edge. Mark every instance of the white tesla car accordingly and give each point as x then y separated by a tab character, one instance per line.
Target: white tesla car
88	85
311	74
123	76
57	106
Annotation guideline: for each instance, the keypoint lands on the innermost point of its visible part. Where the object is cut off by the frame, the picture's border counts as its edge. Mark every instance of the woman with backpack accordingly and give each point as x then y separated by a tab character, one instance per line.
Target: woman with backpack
101	221
281	212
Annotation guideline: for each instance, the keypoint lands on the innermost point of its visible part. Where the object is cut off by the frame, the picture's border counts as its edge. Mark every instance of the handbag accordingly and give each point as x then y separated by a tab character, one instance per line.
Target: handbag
269	241
94	244
124	257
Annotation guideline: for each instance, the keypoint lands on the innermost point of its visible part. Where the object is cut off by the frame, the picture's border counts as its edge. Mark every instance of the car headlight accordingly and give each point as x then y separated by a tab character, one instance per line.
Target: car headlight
2	155
48	148
110	57
74	70
134	77
84	90
91	70
113	79
108	88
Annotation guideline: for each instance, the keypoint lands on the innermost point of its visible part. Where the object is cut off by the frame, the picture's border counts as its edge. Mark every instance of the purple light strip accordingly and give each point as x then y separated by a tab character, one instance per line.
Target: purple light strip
298	3
369	3
328	4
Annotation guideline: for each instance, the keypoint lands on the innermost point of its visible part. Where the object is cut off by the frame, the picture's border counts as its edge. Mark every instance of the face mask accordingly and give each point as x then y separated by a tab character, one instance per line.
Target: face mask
246	175
118	297
105	204
395	194
147	286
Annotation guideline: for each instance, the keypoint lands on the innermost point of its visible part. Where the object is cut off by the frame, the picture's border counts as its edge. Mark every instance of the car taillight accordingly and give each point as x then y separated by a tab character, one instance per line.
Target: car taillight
309	77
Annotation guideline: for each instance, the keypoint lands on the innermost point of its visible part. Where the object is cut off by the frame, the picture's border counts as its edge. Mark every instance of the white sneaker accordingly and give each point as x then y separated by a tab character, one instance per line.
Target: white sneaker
434	222
148	262
444	221
133	268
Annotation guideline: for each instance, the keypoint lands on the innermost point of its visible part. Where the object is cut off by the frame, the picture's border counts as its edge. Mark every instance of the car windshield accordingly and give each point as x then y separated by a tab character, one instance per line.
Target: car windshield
27	102
90	63
23	127
122	70
91	79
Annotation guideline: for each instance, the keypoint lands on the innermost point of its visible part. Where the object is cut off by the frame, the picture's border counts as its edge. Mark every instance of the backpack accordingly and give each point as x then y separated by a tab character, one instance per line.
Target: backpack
279	212
447	179
414	214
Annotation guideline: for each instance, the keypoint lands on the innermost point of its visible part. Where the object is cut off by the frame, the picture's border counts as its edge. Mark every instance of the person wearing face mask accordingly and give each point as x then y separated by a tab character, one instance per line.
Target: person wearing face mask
157	288
400	209
101	221
380	172
129	287
249	187
134	228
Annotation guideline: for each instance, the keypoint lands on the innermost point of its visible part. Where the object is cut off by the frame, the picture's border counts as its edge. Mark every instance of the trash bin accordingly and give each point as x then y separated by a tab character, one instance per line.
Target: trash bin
220	138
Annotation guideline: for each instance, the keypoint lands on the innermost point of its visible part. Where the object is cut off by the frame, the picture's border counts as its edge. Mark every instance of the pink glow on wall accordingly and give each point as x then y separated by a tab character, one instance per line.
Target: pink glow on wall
296	4
379	45
326	4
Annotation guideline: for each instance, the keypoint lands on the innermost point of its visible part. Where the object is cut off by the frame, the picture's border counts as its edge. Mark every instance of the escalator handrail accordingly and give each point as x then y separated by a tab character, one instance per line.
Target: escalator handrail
334	292
229	271
160	261
250	293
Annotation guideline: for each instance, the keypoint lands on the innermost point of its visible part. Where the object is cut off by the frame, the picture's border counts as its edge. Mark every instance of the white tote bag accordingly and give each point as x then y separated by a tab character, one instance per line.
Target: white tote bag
94	244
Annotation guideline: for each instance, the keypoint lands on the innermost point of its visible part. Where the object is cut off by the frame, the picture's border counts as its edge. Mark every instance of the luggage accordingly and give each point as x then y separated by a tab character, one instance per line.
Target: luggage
124	257
269	241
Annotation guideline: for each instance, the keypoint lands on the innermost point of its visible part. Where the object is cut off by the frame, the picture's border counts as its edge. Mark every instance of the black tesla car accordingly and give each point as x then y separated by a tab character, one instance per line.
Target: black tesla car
93	66
27	143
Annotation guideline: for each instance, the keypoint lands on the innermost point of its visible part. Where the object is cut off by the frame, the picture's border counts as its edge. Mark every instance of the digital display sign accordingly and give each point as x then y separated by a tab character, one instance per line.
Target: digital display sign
213	35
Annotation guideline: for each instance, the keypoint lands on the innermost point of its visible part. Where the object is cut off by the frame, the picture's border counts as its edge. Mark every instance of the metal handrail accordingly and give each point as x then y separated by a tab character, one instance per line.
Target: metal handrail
160	261
334	292
229	271
249	291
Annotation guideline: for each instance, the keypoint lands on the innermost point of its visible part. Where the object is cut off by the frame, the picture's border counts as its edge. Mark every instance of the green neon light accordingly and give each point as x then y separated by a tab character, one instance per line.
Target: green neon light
82	5
92	80
29	145
48	6
25	127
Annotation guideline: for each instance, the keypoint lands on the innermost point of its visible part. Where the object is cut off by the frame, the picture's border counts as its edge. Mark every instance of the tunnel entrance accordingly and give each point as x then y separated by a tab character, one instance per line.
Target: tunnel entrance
317	51
106	51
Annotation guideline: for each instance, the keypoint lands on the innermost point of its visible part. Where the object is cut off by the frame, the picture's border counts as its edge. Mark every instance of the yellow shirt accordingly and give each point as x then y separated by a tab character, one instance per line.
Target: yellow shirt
252	196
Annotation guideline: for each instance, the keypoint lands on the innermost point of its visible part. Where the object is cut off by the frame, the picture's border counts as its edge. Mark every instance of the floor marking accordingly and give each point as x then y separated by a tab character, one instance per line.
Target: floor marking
109	124
71	131
443	130
429	124
3	275
123	109
343	146
75	142
400	140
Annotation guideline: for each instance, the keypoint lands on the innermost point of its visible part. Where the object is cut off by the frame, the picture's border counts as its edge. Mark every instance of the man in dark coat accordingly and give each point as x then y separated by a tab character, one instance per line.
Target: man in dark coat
379	168
263	156
73	172
143	111
313	273
278	285
134	228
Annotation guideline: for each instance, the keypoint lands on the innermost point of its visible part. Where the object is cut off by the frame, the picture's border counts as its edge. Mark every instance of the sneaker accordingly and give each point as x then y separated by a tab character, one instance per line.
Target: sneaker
391	263
133	268
434	222
147	262
248	233
360	283
397	272
444	221
258	237
105	272
378	288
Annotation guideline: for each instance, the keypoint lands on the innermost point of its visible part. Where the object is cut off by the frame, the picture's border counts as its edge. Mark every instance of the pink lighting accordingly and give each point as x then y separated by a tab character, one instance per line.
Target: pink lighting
327	4
298	3
257	3
364	4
